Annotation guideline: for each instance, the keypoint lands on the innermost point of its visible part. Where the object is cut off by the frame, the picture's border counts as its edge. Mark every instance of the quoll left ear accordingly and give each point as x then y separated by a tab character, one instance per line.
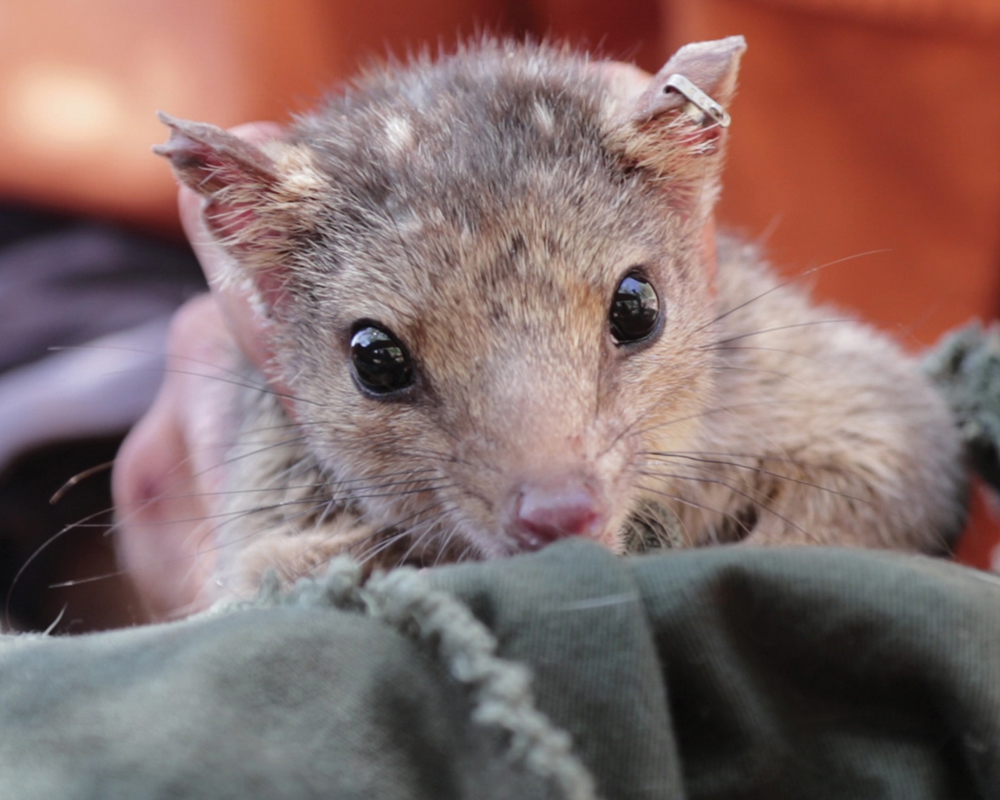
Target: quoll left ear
676	128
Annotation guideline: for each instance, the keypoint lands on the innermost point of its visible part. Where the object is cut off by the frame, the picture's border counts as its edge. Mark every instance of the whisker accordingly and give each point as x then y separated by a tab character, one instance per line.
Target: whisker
692	504
772	330
785	350
80	476
262	388
336	485
734	490
703	413
238	378
798	277
761	470
783	375
432	488
141	351
192	478
37	552
448	458
235	513
417	539
700	479
398	534
216	546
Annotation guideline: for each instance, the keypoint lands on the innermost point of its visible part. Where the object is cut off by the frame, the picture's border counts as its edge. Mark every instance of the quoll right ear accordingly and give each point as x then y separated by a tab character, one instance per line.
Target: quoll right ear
257	196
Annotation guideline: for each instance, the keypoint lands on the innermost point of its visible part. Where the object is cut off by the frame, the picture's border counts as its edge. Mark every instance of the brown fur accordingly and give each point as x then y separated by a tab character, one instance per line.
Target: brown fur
484	209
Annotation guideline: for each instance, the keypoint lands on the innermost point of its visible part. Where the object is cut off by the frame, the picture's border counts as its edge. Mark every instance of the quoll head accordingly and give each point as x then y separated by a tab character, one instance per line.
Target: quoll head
488	282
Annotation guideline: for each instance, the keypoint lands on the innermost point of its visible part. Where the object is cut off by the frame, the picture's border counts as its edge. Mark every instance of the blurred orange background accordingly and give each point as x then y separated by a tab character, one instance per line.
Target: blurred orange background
866	131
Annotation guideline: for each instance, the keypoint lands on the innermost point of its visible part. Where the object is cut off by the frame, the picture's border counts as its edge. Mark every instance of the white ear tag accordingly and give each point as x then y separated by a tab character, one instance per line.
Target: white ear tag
697	97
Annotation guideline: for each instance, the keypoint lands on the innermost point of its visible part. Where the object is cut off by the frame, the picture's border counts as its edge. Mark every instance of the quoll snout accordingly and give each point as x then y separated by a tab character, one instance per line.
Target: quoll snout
545	511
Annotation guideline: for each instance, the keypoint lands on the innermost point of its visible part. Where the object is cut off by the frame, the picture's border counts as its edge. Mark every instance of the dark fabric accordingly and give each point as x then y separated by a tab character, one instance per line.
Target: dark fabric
965	366
719	673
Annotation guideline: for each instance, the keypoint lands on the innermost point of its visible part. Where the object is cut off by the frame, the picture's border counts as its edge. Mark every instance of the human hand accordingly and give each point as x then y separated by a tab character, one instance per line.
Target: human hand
171	466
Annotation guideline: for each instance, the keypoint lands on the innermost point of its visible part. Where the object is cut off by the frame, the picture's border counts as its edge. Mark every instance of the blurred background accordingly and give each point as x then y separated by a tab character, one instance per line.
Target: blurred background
866	136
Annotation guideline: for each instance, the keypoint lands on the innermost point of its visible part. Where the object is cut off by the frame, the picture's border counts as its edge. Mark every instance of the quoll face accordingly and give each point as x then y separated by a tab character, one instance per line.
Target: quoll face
487	283
506	355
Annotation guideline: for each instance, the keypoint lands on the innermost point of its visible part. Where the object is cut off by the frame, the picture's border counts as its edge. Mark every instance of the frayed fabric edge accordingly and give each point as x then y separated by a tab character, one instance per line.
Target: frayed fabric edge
500	688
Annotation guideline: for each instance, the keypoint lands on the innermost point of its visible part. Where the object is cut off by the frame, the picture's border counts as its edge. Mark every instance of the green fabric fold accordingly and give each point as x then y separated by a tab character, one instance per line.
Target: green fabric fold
719	673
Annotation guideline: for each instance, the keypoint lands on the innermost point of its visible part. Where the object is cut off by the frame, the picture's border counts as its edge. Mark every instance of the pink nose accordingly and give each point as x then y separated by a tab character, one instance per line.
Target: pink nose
546	514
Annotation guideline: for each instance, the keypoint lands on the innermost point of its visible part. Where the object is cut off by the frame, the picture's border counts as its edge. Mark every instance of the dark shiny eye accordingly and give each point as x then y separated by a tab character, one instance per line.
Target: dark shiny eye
381	363
635	310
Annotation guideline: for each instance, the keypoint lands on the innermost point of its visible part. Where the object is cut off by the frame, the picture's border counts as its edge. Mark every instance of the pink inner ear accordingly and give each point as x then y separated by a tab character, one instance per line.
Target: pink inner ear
229	225
237	227
238	181
201	166
226	221
695	138
211	160
709	69
235	177
703	139
272	287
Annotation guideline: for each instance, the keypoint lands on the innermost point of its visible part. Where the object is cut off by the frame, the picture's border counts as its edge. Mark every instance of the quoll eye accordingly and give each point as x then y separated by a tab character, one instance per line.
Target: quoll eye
381	363
635	310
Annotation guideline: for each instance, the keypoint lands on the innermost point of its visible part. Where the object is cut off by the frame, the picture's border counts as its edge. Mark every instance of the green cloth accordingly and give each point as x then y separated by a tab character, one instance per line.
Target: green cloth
719	673
965	366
